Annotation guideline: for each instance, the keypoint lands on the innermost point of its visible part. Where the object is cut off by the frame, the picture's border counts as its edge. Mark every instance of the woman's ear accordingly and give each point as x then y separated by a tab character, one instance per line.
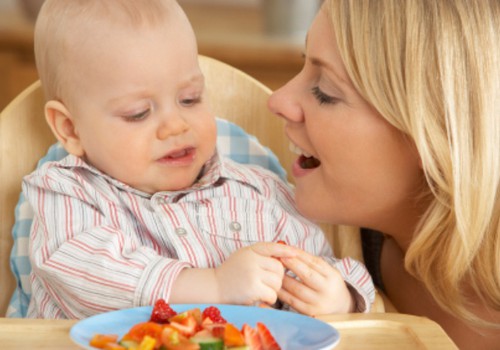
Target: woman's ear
63	126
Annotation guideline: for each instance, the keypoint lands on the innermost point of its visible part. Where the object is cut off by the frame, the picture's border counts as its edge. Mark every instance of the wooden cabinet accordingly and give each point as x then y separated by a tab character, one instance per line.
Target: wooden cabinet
17	65
233	34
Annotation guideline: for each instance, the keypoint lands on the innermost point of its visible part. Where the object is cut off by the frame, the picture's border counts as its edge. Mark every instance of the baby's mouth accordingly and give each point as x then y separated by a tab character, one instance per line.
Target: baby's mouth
306	161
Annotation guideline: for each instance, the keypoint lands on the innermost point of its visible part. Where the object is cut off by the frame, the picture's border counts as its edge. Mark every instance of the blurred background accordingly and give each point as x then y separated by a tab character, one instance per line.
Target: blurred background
264	38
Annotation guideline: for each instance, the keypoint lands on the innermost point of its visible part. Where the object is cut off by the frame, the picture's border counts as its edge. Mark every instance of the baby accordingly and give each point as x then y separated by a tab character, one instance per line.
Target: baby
144	208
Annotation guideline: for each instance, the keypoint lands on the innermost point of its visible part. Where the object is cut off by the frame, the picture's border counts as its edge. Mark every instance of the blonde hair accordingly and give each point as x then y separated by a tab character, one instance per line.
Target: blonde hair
432	69
61	23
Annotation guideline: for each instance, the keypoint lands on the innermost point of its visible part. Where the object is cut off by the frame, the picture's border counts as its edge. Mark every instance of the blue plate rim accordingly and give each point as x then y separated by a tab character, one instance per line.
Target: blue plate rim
335	335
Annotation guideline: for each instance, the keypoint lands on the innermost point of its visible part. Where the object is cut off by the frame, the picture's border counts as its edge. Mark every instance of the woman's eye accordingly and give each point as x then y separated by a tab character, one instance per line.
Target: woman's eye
138	116
322	97
190	101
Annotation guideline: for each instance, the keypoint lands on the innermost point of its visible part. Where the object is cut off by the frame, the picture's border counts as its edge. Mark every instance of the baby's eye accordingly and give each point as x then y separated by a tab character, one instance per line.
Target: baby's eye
322	97
137	116
187	102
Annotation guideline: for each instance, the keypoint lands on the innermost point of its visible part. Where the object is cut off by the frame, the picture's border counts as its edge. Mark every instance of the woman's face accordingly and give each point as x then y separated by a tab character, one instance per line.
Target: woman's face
353	167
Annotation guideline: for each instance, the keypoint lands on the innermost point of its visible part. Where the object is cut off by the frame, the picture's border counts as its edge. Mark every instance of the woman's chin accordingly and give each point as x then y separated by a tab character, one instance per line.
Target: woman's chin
308	206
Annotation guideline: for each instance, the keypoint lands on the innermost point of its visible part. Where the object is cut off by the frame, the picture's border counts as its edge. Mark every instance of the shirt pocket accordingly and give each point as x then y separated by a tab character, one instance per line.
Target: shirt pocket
237	221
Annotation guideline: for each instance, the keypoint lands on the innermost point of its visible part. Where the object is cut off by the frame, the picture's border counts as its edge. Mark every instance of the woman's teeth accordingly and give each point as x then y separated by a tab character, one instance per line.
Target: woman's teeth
298	151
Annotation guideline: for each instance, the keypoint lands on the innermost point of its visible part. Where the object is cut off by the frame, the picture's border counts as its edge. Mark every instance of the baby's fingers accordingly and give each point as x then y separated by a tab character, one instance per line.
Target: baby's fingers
275	250
310	274
294	298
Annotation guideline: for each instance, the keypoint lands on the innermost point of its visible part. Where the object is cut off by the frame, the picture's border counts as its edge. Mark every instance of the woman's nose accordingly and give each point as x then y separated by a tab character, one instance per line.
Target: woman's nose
284	102
172	125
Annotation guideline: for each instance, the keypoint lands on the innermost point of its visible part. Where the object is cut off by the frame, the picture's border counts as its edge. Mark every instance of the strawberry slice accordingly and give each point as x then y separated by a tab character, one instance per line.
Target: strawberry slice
266	338
185	323
162	312
252	338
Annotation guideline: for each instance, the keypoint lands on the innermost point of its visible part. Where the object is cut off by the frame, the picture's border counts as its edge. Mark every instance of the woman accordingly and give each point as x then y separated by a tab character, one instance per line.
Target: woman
396	117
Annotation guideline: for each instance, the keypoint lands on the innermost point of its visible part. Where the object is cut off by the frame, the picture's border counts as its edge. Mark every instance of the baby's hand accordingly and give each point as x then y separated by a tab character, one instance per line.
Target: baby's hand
252	274
320	288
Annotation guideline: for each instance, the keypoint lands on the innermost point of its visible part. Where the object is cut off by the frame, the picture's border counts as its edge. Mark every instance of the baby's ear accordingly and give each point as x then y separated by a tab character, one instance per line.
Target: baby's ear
62	124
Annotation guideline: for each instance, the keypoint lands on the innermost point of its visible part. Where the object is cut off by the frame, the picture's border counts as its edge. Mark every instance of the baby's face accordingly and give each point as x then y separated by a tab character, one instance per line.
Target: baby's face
140	108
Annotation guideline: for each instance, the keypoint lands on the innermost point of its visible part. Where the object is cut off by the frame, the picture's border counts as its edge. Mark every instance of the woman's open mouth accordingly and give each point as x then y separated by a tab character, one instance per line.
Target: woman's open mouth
306	160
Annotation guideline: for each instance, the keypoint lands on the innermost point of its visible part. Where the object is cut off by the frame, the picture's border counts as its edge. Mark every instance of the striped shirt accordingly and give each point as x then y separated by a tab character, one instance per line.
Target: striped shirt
97	244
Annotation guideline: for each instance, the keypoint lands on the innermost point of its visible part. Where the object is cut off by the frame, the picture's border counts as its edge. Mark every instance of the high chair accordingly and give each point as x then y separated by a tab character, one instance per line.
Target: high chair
25	138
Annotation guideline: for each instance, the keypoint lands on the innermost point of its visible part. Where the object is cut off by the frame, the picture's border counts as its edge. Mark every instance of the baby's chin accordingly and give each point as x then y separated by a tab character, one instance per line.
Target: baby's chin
181	183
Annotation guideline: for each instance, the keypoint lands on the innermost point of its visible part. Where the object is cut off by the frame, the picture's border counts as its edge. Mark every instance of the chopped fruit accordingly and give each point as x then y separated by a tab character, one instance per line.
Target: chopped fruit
232	336
187	325
266	338
217	329
147	343
170	336
100	340
196	313
140	330
129	344
281	242
114	346
252	338
162	312
172	339
214	314
207	342
188	330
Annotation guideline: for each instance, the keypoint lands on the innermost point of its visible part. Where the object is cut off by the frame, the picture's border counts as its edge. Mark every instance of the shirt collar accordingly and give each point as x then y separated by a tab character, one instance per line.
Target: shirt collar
216	169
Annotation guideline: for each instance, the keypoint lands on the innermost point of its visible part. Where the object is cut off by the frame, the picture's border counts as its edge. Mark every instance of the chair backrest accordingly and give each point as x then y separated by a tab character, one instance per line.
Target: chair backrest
25	138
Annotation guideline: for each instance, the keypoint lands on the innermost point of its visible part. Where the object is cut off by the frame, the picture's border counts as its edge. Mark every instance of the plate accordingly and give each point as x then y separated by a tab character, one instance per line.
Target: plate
291	330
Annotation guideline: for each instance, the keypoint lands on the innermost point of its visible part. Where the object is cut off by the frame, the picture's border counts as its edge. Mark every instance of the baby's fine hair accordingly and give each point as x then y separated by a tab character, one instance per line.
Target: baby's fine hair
61	26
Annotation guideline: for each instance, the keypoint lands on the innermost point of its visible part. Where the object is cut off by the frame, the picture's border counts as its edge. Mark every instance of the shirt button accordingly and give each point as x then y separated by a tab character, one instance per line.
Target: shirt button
180	231
235	226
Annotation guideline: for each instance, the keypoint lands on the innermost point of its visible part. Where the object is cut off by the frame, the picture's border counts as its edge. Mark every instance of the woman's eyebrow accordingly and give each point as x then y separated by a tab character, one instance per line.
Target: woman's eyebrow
340	75
318	62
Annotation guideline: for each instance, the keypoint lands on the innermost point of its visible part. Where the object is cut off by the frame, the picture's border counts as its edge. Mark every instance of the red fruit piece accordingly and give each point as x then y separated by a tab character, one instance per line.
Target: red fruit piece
252	338
213	313
162	312
266	338
187	327
140	330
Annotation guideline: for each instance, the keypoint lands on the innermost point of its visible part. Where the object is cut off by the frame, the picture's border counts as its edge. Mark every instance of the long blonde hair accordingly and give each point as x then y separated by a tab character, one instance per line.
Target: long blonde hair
432	69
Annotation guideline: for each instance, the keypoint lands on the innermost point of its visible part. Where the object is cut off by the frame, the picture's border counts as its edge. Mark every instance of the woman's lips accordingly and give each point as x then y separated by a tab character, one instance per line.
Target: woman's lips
181	157
304	165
